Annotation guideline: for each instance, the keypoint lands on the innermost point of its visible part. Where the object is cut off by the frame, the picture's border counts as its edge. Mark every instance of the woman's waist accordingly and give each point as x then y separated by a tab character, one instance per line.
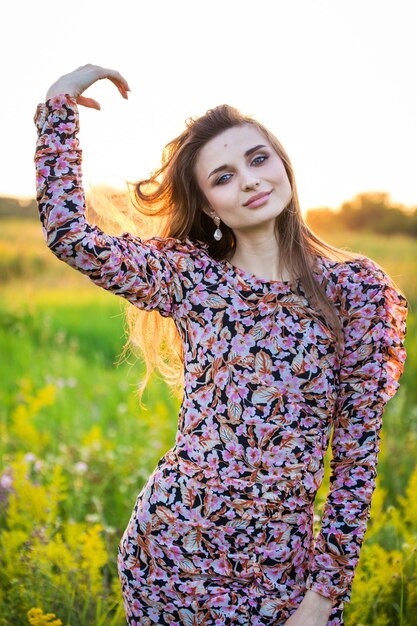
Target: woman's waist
275	484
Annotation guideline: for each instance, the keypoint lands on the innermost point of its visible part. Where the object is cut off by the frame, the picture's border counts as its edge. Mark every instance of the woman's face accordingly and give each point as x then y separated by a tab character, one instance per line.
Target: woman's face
235	166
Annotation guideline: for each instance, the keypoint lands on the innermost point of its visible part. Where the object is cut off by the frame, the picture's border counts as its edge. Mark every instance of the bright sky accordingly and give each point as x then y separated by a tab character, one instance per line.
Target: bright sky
334	80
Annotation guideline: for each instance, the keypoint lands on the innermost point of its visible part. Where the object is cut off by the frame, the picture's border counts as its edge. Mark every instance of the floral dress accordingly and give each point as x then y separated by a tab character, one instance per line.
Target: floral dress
222	531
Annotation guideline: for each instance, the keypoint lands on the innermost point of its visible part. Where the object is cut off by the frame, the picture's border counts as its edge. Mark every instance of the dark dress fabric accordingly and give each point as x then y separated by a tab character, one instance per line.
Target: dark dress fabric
222	531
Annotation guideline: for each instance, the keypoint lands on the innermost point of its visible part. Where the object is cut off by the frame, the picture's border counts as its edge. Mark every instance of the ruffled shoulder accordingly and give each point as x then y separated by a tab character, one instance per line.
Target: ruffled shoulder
394	313
375	312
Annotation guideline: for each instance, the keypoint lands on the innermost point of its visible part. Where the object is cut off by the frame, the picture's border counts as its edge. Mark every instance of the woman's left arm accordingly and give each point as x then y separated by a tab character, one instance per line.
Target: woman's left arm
374	319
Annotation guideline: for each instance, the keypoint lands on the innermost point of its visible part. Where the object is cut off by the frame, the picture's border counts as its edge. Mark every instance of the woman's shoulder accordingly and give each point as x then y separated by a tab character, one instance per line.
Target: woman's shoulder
354	271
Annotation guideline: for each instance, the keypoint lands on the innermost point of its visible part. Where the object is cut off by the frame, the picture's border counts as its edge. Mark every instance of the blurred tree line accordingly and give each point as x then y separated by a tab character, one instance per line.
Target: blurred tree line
18	207
370	211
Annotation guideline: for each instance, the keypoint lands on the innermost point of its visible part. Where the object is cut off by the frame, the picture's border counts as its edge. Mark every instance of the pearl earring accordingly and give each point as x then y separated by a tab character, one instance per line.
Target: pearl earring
217	233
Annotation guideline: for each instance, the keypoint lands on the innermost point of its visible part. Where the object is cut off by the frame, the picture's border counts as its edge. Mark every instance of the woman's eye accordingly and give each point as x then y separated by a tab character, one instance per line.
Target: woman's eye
260	157
220	180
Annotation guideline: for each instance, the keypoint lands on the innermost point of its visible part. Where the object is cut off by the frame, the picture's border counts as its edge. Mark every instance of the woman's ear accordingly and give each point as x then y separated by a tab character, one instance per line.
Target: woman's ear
209	211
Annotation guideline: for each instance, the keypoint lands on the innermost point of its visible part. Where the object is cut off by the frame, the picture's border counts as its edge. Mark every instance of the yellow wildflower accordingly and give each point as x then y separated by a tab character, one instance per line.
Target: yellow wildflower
37	617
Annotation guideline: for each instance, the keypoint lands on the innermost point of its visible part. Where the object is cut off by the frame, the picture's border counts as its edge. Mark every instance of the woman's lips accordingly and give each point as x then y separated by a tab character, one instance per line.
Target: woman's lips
258	201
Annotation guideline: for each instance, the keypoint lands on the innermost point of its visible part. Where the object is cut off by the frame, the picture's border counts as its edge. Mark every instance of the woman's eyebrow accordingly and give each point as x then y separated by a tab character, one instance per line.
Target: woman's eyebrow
226	167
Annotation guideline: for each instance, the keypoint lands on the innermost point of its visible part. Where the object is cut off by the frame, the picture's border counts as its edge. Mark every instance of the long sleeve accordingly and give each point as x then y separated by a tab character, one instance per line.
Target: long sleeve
142	271
374	319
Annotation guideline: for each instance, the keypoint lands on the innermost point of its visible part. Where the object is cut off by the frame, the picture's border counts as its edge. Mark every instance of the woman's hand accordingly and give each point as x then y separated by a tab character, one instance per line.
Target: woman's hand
314	610
74	83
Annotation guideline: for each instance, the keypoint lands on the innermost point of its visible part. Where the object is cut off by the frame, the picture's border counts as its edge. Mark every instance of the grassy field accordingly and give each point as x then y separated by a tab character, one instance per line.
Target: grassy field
75	448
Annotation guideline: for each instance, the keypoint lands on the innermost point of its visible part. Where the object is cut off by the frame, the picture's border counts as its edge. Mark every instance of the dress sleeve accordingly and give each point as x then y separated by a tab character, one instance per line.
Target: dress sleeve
142	271
374	320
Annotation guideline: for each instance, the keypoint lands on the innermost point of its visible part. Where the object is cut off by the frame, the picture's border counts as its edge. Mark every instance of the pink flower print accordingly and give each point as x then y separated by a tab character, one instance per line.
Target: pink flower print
305	525
210	429
61	166
249	413
199	456
213	461
268	458
241	429
232	451
371	369
263	429
59	215
219	348
187	588
234	314
308	421
218	601
64	250
325	560
272	328
181	527
214	502
321	385
183	309
253	456
200	291
311	361
90	240
234	469
204	396
160	573
77	196
271	551
192	419
207	334
176	508
247	322
154	614
356	431
84	261
42	173
361	492
265	308
360	473
352	510
282	367
236	393
242	344
65	127
267	380
222	566
137	606
340	497
221	377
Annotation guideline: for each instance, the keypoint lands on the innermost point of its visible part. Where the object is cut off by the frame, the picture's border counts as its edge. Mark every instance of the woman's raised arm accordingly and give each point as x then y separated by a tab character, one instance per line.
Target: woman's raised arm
142	271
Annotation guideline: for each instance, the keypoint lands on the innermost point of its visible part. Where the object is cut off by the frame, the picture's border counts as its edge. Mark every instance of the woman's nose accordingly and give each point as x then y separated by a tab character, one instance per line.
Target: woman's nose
250	183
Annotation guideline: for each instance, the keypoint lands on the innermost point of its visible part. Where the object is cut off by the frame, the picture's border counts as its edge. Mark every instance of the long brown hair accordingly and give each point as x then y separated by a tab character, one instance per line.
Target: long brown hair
172	194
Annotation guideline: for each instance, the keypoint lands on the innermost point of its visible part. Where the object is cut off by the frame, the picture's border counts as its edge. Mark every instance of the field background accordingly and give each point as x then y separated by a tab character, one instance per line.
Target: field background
76	449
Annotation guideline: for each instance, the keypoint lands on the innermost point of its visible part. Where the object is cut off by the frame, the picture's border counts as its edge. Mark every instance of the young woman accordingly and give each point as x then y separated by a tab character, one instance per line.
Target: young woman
284	339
